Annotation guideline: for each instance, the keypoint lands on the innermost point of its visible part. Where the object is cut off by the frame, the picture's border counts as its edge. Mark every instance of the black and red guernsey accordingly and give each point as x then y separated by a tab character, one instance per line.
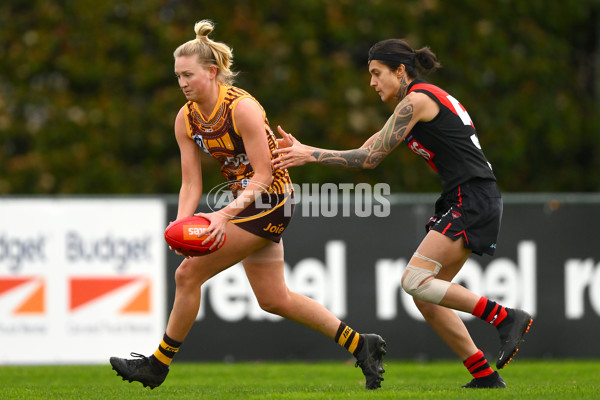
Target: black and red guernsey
448	142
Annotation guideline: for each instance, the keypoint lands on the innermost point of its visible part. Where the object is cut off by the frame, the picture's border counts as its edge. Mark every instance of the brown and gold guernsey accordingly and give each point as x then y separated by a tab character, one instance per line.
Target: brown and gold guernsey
219	137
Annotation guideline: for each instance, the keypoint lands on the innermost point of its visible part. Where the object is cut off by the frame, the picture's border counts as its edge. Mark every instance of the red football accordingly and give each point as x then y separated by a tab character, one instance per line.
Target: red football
187	234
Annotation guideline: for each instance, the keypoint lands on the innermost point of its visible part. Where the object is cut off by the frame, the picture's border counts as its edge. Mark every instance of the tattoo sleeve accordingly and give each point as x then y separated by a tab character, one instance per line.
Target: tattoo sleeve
384	142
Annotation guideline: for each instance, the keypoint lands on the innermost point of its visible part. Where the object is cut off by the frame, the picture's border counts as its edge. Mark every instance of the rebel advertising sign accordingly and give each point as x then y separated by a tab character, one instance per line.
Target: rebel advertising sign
546	262
80	280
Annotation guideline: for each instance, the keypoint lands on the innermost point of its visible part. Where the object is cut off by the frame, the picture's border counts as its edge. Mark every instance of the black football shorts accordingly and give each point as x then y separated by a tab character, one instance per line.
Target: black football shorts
472	211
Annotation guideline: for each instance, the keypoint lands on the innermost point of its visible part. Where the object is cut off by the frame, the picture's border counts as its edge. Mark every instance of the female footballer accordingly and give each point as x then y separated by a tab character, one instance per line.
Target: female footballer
467	215
231	126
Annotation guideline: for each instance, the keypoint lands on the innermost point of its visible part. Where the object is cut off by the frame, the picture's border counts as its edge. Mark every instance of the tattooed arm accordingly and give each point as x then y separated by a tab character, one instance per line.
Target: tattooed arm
377	147
368	156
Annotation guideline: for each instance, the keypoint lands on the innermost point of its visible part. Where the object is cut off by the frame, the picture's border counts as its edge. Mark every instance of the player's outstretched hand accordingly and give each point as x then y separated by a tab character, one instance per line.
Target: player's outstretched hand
291	152
286	140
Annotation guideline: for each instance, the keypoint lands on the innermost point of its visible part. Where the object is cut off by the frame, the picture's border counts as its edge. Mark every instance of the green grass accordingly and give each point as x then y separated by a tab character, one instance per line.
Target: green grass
320	380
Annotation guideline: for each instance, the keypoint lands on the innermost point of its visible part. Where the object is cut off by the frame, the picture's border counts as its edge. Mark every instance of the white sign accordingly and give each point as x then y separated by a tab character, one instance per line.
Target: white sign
81	279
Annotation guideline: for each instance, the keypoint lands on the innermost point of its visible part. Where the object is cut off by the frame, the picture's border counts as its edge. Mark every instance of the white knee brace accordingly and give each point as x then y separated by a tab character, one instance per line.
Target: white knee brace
432	291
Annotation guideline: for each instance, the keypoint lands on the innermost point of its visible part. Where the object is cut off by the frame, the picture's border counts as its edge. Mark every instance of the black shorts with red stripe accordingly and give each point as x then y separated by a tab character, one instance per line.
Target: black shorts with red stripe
472	211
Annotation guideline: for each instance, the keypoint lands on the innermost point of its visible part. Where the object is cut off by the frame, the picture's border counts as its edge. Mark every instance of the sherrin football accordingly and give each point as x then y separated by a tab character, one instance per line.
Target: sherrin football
187	234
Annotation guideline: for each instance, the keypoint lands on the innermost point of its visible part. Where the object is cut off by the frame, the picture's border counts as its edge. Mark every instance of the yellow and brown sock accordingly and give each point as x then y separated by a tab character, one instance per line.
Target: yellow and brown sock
349	338
163	356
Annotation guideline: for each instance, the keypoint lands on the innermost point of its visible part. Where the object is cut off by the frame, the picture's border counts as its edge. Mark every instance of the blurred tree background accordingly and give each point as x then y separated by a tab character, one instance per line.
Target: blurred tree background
88	96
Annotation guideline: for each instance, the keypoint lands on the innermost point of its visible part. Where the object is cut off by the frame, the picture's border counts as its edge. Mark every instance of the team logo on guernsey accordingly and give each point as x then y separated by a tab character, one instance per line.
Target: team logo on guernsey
418	149
200	142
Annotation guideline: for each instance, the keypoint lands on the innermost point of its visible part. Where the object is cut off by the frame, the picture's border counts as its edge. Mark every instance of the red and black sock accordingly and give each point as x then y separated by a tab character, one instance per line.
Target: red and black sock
349	338
478	366
490	311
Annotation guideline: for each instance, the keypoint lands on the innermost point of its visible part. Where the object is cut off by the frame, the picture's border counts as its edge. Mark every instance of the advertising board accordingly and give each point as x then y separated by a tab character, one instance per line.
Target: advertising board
80	279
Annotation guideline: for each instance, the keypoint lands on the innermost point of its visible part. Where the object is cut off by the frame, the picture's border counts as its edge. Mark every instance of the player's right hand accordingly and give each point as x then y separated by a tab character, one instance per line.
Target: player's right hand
292	154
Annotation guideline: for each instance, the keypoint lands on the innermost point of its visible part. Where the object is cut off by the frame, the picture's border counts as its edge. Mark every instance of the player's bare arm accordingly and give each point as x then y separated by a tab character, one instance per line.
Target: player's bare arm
381	144
191	169
368	156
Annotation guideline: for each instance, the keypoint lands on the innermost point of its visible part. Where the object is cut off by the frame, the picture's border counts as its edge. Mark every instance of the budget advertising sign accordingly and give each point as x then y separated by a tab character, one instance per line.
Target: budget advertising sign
80	279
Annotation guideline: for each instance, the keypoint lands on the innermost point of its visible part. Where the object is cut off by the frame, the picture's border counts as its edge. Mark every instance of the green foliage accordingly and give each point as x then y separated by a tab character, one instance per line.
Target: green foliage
88	96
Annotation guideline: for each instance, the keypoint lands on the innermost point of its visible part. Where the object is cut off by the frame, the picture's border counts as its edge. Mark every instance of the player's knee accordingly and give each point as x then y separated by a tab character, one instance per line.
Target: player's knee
273	301
186	276
414	277
419	280
181	276
271	306
419	270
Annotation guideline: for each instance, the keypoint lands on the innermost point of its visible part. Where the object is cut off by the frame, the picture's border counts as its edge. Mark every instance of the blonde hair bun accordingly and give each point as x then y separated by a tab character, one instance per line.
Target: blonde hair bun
203	28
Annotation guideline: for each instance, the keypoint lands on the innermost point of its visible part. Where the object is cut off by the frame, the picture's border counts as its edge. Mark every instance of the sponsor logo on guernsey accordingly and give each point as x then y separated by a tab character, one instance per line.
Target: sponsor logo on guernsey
237	160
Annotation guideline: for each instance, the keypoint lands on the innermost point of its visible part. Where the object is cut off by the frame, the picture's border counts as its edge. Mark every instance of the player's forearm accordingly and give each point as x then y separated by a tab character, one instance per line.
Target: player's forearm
189	197
356	158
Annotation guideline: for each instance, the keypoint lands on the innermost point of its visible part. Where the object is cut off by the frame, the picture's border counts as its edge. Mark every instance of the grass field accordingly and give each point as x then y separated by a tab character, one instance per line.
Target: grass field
526	379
